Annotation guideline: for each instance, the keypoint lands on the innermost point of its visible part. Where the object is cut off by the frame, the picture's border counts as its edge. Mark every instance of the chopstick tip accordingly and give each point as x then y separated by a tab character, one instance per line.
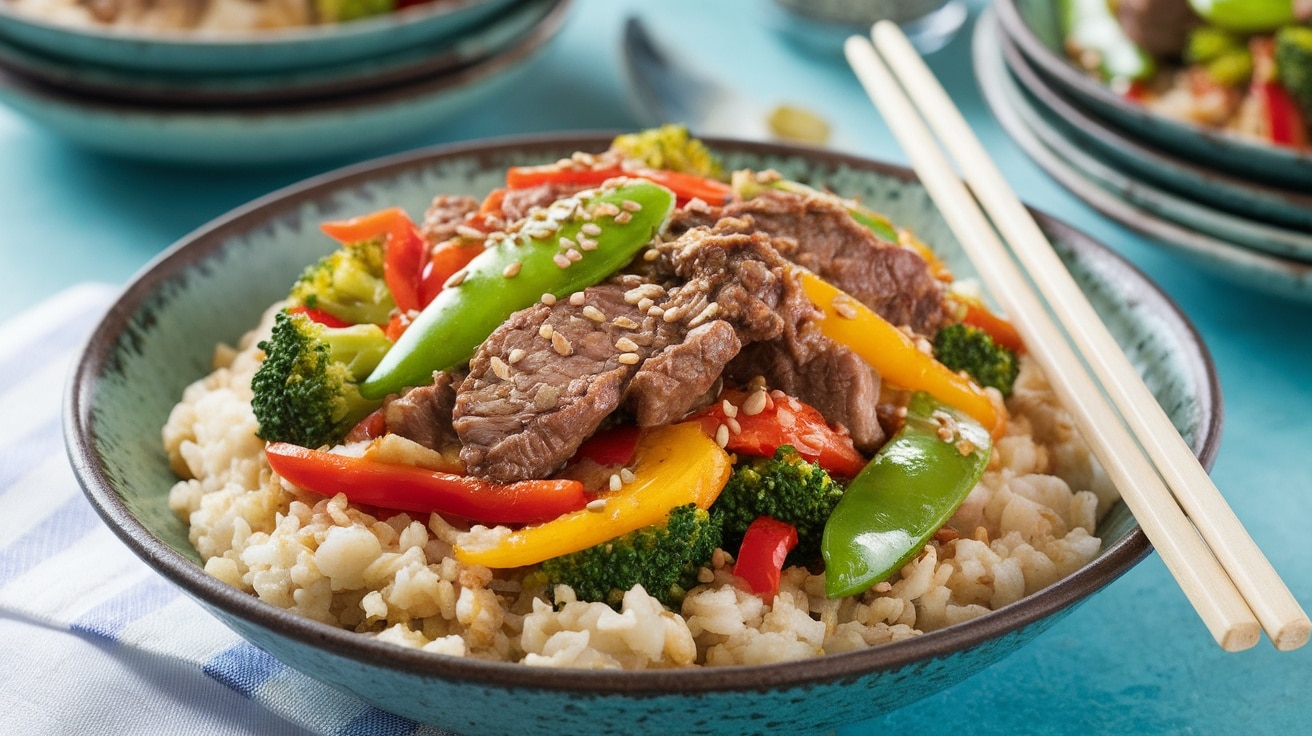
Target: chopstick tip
1292	635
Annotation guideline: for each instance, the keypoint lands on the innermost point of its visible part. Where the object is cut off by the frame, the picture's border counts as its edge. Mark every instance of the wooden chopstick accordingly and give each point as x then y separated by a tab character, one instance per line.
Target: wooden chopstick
1279	613
1211	591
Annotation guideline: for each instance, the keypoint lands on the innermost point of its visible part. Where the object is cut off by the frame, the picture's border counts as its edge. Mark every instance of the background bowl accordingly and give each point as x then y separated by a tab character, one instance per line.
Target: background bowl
244	53
212	286
1034	26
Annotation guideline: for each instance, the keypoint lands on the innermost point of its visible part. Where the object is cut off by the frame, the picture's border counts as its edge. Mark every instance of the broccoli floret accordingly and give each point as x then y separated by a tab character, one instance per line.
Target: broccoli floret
662	558
337	11
348	284
306	390
963	347
785	487
670	147
1294	63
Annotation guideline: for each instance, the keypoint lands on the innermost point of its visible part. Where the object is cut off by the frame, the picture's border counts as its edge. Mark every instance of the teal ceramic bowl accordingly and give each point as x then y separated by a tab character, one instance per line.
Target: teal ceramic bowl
297	130
193	89
247	53
1034	26
213	285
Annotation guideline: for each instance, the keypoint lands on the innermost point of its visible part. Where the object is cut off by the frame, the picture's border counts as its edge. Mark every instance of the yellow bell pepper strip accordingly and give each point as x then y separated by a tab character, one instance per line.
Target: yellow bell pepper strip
907	493
676	465
891	352
560	255
415	489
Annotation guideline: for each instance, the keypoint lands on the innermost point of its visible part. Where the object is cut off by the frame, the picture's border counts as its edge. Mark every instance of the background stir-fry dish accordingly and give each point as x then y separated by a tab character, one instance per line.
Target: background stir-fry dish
633	411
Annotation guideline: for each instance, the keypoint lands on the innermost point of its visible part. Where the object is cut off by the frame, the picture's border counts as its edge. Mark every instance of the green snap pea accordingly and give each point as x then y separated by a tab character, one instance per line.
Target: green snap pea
580	243
1091	28
906	493
1245	16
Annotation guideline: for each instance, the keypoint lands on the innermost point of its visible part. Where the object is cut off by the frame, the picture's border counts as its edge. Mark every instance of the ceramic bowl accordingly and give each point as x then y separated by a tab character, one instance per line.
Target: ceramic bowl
276	133
212	286
192	89
1034	26
246	53
1123	199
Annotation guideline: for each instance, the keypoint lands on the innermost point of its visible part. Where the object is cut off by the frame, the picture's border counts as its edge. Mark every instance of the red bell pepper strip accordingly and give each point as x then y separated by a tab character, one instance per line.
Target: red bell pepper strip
1287	127
320	316
405	249
615	446
446	259
761	556
783	421
417	490
684	186
372	426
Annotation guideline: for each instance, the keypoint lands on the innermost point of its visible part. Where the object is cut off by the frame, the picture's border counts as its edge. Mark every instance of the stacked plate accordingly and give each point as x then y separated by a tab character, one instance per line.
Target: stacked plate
268	96
1235	207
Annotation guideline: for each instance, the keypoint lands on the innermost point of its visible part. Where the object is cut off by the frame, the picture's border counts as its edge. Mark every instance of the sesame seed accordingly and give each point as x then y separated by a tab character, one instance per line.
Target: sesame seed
591	228
512	269
577	298
624	323
605	209
733	425
594	314
729	408
587	244
623	218
754	403
573	255
722	435
651	255
516	355
673	315
597	505
705	575
549	299
456	279
629	358
655	311
627	475
537	213
500	368
546	332
496	236
631	206
626	345
560	260
616	482
465	231
644	304
844	307
566	243
561	345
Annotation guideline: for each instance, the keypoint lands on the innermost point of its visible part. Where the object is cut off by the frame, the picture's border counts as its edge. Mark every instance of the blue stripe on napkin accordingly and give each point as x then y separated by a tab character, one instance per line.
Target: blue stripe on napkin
106	620
243	667
59	531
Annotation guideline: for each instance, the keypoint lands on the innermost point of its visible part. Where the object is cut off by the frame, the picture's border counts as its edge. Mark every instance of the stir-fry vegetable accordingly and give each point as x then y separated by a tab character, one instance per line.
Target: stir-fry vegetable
676	465
1245	16
761	556
414	489
348	283
763	421
582	241
1293	58
1096	39
907	492
785	487
891	352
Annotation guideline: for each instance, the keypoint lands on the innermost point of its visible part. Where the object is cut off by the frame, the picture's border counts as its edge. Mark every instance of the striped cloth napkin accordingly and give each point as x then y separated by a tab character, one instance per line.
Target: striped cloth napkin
93	637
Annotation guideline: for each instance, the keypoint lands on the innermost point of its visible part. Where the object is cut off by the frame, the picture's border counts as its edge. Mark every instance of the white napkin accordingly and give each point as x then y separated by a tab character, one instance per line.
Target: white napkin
94	640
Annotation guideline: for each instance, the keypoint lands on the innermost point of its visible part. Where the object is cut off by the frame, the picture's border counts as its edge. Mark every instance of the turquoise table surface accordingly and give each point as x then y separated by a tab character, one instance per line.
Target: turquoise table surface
1134	659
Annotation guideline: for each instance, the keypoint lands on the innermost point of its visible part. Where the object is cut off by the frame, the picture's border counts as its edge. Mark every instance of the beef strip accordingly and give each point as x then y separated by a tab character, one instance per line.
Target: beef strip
518	203
1160	27
444	214
818	233
423	413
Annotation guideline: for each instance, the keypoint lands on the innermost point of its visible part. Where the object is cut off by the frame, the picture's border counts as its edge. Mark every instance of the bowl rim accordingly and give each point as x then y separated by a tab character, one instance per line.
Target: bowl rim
1015	26
196	247
185	38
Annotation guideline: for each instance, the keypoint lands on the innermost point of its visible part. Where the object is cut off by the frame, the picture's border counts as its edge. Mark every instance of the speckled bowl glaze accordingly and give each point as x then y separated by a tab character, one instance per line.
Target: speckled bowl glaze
296	130
1194	232
246	53
195	89
1034	26
212	286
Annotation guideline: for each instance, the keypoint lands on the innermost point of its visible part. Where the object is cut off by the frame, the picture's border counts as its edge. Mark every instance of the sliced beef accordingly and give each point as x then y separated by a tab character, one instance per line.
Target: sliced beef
818	233
446	213
840	385
518	203
684	376
1160	27
423	413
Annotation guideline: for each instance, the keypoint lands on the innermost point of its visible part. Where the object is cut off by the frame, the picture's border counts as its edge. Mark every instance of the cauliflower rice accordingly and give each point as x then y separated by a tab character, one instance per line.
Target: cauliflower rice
1028	523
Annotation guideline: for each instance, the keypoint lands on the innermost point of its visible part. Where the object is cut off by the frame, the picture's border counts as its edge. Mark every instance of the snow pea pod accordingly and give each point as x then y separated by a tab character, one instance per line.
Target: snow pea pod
906	493
1245	16
582	240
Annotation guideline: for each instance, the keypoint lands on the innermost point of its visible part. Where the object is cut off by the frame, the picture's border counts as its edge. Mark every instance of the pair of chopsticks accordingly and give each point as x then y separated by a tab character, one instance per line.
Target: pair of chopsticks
1222	572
